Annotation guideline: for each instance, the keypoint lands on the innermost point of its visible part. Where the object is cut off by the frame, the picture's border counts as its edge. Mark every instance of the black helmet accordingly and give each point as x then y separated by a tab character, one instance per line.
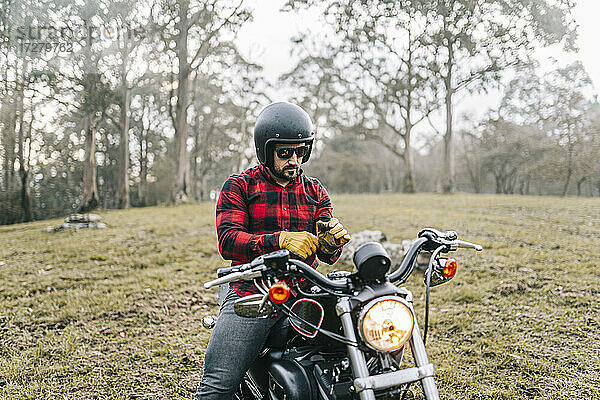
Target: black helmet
281	122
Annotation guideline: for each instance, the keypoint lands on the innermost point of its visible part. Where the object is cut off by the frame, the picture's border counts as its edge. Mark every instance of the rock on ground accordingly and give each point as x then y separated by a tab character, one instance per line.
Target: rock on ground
77	222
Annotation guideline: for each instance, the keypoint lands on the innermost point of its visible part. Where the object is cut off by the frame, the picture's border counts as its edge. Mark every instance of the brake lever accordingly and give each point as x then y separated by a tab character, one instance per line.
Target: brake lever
469	245
234	276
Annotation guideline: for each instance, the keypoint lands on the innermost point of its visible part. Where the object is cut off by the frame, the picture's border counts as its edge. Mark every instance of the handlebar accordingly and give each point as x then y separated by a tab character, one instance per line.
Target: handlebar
276	261
315	275
408	261
429	239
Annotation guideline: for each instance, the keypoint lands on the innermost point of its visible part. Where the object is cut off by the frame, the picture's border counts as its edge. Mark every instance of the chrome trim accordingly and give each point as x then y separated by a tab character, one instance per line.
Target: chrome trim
391	379
357	357
260	285
366	309
417	347
234	276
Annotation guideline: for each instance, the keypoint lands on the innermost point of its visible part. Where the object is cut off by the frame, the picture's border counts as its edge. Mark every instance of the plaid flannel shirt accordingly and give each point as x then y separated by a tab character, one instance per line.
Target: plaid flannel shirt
253	209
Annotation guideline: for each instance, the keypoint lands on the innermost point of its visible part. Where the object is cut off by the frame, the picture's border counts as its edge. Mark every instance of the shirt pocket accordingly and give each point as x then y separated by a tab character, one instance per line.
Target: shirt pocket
307	209
256	212
262	212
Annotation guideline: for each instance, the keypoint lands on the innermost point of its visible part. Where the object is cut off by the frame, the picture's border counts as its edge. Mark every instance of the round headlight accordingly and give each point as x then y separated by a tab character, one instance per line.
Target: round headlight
386	324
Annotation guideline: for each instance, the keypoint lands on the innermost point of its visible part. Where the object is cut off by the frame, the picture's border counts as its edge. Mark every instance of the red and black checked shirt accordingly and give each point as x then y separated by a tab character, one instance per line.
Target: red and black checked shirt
252	209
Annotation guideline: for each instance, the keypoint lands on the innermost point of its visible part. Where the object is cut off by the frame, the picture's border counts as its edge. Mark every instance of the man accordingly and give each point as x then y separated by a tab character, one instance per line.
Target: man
268	207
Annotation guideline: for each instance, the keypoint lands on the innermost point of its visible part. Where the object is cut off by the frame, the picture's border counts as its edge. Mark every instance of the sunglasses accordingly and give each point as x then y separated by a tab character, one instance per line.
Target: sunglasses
286	152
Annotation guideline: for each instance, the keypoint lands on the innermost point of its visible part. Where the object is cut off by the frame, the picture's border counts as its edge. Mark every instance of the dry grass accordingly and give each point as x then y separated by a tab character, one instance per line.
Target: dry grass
115	313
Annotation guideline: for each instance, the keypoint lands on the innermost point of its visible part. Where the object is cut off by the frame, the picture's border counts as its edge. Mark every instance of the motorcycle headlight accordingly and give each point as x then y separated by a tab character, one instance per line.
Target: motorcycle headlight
386	324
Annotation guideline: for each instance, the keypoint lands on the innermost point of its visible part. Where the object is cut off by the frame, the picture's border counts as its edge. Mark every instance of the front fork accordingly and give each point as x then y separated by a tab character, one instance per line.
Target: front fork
423	370
422	361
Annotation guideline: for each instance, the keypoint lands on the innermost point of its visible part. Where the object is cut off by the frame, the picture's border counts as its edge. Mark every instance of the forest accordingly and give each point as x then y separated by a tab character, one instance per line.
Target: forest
125	104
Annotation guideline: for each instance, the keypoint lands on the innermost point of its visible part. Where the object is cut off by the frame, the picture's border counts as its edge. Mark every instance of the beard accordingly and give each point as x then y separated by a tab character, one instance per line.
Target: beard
288	172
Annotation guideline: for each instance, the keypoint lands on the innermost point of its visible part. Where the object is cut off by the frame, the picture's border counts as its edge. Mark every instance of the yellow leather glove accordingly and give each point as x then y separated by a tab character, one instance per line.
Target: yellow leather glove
302	243
332	235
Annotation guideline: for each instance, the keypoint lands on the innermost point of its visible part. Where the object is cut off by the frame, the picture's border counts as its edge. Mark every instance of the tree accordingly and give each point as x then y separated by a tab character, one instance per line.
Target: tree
147	124
588	163
23	72
511	153
126	15
192	34
473	42
375	69
226	97
559	103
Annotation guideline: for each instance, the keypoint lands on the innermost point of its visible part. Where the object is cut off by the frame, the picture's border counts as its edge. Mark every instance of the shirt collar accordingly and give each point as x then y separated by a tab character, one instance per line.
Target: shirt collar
267	175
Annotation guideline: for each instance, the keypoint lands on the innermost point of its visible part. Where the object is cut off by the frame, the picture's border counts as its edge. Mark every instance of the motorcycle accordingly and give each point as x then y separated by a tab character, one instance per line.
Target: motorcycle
349	329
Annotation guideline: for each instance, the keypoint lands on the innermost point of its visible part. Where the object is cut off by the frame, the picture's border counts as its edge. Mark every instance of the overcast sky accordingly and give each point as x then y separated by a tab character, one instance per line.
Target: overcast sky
266	40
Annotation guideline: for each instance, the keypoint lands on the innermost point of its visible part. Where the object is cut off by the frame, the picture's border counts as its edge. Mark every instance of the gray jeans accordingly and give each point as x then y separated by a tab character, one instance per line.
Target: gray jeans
234	344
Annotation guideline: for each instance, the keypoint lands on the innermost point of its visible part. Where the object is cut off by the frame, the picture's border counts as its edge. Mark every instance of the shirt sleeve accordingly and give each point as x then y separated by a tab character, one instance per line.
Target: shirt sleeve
235	242
325	213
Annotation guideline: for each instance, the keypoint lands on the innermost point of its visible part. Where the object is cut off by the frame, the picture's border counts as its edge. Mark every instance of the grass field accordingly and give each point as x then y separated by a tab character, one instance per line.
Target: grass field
115	313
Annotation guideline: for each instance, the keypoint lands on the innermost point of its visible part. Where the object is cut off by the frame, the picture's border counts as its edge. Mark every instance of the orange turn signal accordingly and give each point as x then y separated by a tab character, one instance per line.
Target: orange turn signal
450	268
279	293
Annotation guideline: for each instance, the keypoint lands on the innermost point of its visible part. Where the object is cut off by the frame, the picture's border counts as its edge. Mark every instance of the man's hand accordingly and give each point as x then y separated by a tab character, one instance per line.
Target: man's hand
302	243
332	235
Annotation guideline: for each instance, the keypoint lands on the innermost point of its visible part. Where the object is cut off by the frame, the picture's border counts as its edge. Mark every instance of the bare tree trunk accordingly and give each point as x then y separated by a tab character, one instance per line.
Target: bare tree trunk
107	188
205	195
123	173
90	189
389	178
497	177
567	181
194	186
23	173
195	189
180	188
8	139
7	135
4	144
570	150
409	169
521	186
90	199
123	179
474	175
579	183
25	196
512	181
143	141
449	166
